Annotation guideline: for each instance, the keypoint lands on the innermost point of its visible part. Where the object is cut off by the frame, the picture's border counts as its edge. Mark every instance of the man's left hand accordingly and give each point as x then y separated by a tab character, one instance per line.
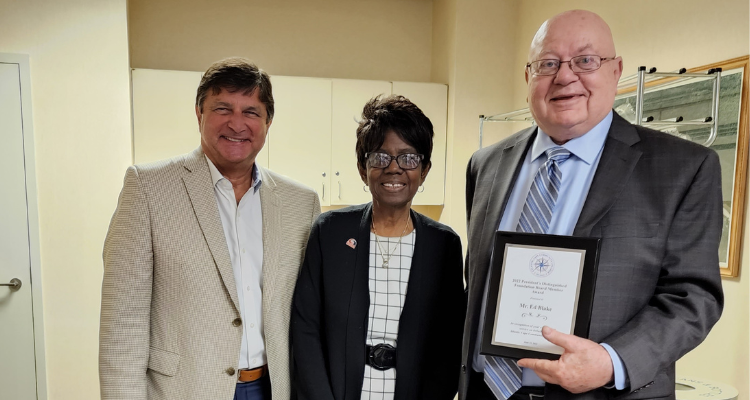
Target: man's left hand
583	366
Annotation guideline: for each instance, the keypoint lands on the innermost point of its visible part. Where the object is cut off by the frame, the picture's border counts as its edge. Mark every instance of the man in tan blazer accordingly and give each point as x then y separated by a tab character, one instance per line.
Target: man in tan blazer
201	259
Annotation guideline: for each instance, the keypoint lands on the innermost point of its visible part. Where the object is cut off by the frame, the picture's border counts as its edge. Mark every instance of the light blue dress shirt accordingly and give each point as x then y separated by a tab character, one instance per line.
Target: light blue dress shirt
243	230
577	174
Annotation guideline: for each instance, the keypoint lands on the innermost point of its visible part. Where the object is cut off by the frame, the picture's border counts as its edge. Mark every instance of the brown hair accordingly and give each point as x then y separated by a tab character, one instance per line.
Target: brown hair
235	74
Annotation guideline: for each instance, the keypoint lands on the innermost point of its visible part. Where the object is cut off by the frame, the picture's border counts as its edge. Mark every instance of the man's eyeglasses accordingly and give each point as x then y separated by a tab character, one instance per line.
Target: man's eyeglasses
383	160
578	64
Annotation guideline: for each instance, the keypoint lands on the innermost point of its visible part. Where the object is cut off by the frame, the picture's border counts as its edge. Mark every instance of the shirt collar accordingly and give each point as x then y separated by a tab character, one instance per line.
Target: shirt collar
216	176
586	147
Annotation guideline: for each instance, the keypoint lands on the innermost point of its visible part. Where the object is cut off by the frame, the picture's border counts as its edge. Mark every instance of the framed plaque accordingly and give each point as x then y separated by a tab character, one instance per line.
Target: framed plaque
538	280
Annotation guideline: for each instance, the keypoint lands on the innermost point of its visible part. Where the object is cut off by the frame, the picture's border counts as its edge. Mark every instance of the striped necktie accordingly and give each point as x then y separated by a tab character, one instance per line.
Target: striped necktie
502	375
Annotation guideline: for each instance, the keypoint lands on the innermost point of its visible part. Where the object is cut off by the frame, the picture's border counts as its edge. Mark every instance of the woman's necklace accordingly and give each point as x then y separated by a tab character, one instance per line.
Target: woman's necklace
386	256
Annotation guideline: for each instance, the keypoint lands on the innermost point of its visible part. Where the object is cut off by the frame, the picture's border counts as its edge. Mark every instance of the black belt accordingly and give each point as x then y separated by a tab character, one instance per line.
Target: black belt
381	356
531	392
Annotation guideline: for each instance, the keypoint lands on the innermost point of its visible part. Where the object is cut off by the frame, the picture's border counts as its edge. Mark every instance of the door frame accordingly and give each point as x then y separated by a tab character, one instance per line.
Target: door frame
22	61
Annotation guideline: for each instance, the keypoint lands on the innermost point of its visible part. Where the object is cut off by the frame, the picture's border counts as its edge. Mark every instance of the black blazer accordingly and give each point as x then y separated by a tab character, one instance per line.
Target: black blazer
331	302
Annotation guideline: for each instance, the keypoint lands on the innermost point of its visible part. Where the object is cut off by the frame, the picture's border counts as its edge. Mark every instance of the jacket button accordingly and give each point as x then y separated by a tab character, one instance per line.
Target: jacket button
230	371
463	368
237	322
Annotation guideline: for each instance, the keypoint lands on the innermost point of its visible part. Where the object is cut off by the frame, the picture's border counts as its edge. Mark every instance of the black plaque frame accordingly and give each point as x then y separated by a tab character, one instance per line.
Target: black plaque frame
587	287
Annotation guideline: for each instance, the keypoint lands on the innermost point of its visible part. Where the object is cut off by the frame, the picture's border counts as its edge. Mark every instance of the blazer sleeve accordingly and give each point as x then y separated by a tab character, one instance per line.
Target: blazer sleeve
688	298
470	184
445	340
126	296
310	380
315	209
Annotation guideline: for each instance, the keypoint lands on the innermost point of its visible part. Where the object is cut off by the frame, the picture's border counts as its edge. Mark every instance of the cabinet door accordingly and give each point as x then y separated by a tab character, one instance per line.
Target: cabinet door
349	97
299	140
432	99
164	121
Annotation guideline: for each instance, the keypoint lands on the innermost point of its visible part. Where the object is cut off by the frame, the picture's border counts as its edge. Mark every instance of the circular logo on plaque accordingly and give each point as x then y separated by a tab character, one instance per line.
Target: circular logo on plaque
541	264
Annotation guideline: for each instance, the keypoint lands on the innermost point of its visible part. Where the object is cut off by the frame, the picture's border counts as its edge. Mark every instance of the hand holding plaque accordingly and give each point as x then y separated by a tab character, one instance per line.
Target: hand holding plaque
583	366
538	280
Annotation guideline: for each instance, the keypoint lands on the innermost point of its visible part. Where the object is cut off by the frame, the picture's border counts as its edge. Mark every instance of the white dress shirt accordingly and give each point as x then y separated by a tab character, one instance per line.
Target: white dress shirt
243	230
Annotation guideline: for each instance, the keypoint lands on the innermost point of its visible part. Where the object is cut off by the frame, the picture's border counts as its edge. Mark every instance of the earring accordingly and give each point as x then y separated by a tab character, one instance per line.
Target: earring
421	188
365	189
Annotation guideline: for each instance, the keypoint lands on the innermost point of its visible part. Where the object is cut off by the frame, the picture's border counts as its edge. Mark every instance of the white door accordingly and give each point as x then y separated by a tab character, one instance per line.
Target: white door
17	359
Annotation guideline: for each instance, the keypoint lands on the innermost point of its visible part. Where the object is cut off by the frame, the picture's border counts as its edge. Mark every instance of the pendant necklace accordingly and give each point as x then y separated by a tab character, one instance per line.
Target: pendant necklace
386	256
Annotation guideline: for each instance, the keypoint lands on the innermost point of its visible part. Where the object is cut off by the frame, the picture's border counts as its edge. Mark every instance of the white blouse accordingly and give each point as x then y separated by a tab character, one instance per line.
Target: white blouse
387	294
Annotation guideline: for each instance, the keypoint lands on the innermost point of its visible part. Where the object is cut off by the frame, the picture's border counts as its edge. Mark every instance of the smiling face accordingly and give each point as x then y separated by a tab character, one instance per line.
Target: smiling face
392	187
233	128
567	105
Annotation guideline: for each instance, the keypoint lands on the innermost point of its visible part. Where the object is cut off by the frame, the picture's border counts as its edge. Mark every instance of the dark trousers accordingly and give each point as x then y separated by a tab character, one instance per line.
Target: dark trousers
258	390
478	390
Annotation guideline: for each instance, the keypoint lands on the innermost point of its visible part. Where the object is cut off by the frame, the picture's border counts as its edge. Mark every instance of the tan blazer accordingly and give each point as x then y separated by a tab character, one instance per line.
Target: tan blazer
170	326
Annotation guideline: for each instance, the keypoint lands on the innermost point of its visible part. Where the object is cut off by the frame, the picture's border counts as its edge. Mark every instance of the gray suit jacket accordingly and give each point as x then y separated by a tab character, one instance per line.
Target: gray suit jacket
656	203
169	327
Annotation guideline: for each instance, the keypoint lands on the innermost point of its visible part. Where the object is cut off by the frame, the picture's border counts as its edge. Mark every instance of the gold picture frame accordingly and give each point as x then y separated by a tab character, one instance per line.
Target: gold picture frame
732	153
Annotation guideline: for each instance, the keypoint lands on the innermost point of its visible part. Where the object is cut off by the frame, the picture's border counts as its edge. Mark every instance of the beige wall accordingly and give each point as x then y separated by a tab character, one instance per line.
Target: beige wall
384	39
471	41
79	62
81	110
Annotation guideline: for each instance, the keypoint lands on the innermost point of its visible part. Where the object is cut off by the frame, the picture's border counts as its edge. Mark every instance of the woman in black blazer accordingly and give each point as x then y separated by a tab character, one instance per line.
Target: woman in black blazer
379	306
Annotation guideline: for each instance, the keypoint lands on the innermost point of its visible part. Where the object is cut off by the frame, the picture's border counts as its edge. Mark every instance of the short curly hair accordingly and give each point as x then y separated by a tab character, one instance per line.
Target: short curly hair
398	114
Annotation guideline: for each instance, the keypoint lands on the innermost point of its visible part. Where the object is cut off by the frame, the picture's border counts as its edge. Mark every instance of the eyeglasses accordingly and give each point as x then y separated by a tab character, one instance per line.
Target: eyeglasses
578	64
383	160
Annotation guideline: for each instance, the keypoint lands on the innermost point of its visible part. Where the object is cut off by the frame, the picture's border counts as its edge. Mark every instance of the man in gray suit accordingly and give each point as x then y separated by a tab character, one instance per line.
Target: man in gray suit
653	199
202	256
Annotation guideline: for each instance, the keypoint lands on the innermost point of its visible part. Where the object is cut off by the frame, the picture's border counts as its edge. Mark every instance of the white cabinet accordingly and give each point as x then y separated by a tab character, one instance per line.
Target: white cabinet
299	141
349	97
313	135
432	99
164	122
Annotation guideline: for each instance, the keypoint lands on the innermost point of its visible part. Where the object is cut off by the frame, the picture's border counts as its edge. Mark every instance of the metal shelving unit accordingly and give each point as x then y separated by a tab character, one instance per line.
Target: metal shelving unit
642	80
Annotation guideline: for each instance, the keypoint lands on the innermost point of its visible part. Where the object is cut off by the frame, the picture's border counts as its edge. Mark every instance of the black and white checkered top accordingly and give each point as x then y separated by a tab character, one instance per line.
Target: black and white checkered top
387	294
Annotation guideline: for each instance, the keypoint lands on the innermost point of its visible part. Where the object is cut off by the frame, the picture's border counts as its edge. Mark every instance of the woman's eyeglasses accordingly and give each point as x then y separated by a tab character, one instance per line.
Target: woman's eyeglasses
383	160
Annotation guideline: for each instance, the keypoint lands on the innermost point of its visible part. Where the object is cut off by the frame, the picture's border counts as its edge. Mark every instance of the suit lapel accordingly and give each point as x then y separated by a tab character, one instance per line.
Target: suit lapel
198	185
498	193
615	166
272	221
359	305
